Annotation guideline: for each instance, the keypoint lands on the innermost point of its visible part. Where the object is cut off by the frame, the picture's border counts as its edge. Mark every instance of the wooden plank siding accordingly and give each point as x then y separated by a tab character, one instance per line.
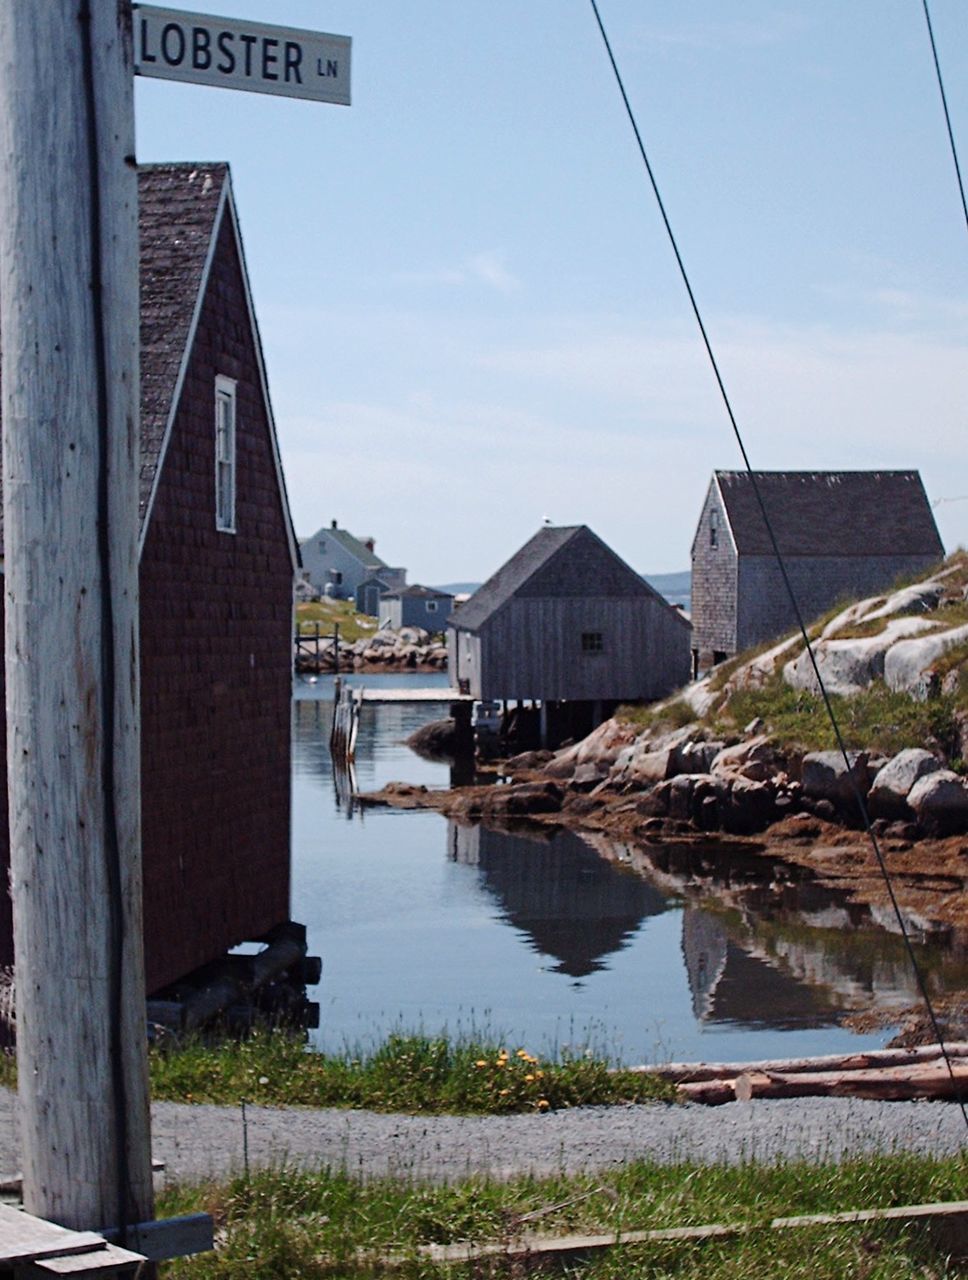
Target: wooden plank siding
532	649
520	636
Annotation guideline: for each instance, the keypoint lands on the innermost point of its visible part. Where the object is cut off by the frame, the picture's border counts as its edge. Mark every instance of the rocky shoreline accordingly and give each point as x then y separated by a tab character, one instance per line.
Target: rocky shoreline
653	788
409	649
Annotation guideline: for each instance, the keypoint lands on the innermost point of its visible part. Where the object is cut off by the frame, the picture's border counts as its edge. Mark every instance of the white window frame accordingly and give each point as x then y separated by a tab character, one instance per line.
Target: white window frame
225	450
431	606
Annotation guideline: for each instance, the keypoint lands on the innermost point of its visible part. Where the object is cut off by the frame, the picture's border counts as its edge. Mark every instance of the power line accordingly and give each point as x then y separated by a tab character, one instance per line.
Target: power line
947	113
841	746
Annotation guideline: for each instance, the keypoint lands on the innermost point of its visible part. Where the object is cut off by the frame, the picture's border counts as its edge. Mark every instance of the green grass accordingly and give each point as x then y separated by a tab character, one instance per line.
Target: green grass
412	1073
875	720
352	625
286	1223
669	715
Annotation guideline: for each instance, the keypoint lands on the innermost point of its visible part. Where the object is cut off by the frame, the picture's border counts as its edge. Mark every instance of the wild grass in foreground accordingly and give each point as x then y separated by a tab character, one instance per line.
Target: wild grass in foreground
414	1073
288	1223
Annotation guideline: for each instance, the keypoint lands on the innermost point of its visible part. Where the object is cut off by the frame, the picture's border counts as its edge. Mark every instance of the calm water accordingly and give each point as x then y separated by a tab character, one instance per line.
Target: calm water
422	923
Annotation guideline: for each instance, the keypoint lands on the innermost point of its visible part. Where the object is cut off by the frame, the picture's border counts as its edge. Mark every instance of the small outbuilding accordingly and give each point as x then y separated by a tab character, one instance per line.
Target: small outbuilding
416	606
841	534
567	620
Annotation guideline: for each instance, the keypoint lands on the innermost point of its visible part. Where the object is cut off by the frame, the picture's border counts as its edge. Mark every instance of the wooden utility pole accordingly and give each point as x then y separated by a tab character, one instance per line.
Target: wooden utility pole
69	333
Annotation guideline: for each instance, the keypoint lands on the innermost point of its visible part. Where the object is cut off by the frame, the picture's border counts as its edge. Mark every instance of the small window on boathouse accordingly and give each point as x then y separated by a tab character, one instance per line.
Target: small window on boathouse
225	454
592	642
714	528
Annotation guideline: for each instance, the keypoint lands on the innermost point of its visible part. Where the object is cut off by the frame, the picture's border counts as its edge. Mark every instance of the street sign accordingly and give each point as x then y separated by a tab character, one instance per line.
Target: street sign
199	48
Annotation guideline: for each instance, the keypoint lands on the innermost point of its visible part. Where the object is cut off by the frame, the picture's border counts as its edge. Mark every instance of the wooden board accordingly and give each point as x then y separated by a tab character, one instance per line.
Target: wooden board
109	1260
24	1238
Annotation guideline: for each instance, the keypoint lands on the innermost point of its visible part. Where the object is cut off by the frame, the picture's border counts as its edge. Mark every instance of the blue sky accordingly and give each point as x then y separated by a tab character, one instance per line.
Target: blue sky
471	315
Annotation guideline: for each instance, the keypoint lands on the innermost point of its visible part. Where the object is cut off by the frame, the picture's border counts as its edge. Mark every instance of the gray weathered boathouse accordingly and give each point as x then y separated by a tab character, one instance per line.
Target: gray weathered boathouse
567	620
841	534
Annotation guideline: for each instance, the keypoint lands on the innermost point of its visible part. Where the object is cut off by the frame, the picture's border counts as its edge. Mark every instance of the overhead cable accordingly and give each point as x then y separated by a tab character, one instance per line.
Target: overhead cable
788	586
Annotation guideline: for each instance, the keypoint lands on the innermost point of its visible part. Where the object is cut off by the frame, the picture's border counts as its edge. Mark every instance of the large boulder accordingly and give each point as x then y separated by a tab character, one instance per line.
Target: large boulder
437	740
602	746
907	666
756	758
888	797
747	807
848	666
650	767
826	778
528	797
940	802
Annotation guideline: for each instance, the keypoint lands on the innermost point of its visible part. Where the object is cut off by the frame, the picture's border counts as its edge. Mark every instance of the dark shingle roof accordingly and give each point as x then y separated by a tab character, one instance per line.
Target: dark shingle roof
177	208
417	592
586	567
831	513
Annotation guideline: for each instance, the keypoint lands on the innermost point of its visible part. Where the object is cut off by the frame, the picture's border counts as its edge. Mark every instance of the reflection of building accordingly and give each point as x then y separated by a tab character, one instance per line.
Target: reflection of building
730	984
767	945
573	905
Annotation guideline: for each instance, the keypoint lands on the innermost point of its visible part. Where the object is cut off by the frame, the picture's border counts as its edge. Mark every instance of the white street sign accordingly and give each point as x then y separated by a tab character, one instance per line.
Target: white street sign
200	48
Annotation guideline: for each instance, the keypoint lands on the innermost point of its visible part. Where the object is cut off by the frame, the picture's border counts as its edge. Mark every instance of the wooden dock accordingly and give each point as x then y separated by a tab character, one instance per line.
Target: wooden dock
415	695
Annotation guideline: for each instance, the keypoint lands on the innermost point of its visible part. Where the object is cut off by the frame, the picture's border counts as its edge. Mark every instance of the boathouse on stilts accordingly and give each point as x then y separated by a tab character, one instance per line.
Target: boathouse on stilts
565	631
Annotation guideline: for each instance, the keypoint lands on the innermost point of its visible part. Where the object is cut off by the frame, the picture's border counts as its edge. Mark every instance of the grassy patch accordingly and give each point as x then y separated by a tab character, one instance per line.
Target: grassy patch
669	715
413	1073
286	1223
876	719
327	613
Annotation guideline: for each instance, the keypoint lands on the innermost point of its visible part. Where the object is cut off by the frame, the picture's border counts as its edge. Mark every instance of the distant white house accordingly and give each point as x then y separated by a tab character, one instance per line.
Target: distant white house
337	564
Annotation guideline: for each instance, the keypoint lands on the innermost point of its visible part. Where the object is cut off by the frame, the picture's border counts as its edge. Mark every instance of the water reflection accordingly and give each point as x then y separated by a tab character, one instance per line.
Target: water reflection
574	906
766	944
544	934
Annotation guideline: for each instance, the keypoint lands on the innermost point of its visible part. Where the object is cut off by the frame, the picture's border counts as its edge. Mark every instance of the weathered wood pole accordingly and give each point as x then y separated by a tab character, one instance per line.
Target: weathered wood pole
69	332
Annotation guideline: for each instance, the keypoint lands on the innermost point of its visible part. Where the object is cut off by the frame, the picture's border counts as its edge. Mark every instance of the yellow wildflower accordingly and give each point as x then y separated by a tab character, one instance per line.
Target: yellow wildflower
529	1077
522	1053
481	1062
501	1062
503	1092
543	1104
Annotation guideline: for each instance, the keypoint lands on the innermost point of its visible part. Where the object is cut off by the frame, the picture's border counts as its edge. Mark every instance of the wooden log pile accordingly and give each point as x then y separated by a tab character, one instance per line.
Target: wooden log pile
887	1074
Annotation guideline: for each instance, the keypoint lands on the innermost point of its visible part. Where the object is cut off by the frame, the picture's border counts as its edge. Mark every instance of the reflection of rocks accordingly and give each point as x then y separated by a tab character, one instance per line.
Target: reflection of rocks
573	905
784	950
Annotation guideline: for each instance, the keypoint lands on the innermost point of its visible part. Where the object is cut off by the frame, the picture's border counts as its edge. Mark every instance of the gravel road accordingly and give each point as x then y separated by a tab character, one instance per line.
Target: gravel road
201	1141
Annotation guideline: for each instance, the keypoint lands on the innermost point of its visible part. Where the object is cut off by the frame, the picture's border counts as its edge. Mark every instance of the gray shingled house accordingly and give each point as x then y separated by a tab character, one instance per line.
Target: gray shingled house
337	563
416	606
841	534
566	620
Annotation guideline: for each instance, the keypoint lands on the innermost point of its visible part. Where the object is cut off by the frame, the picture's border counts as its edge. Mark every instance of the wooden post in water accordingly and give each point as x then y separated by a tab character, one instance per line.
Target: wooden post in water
69	326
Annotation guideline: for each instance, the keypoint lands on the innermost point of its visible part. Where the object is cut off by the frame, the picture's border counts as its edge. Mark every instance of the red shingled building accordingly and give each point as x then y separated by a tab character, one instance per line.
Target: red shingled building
217	562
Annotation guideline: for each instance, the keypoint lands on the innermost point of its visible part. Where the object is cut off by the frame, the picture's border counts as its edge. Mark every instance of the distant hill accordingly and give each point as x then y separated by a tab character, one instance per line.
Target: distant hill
676	587
458	588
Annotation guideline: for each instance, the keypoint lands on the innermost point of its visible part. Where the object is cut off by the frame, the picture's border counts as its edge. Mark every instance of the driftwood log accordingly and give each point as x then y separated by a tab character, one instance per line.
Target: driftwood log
922	1078
691	1072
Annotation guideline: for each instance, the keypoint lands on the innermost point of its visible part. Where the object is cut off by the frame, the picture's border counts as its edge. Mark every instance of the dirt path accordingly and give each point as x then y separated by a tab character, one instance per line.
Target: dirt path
197	1142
